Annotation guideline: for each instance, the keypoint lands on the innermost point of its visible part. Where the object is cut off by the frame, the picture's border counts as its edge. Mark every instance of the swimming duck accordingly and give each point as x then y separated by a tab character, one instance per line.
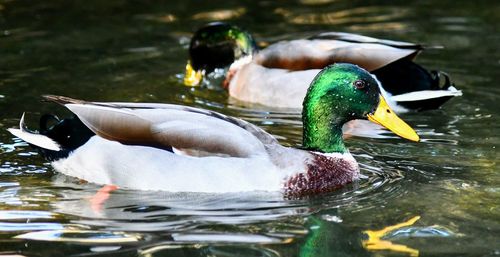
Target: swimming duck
170	147
279	75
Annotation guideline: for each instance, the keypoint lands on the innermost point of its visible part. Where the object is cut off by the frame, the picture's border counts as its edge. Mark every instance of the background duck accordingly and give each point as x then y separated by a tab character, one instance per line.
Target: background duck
177	148
279	75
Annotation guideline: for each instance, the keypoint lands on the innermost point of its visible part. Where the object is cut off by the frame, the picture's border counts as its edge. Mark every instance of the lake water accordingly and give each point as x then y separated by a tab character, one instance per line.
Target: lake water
136	51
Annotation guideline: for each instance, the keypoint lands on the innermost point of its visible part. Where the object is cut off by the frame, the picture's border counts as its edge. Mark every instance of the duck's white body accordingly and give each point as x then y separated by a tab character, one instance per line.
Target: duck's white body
279	75
285	95
149	168
254	83
177	148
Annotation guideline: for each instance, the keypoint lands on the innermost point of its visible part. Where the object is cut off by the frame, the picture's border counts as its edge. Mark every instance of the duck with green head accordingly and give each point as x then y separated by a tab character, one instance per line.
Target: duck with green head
279	75
177	148
217	46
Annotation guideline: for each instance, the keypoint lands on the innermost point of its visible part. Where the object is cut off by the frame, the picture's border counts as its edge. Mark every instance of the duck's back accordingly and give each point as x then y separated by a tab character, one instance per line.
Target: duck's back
303	54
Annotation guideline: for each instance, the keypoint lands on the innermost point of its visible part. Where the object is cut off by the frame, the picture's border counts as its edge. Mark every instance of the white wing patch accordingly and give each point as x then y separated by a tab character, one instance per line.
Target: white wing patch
426	94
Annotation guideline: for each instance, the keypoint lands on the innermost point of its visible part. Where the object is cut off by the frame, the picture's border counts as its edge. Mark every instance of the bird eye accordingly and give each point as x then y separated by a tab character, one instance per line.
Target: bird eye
359	84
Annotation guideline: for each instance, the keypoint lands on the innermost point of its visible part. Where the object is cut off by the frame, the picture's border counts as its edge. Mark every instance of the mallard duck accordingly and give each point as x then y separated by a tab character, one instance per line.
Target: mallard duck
170	147
279	75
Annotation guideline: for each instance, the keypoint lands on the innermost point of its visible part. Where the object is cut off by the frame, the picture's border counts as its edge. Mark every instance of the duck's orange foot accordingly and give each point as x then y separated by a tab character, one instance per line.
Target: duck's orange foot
97	201
376	243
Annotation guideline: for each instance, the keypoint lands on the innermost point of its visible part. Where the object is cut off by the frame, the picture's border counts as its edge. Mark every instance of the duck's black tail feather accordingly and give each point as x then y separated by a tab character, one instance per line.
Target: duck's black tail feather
404	76
70	133
56	138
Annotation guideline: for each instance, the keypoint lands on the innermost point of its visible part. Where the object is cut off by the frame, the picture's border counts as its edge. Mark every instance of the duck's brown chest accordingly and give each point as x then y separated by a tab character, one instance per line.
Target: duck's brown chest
323	174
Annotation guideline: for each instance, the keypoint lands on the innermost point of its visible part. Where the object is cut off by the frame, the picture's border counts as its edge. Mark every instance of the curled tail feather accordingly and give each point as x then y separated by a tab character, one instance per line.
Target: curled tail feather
39	140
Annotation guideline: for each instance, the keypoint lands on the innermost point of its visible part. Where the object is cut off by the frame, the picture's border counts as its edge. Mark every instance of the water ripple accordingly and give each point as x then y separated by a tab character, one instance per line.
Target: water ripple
85	237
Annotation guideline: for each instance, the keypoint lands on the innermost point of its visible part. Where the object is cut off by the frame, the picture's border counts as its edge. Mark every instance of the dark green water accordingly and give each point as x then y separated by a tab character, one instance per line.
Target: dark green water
136	51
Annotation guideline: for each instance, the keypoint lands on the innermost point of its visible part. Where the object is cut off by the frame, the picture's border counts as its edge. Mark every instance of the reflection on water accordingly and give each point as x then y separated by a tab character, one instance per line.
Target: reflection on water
127	51
374	15
165	18
220	14
94	237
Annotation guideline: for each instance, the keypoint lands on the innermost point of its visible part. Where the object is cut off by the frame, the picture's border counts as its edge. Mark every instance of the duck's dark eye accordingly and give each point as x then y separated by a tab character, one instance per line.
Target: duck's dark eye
359	84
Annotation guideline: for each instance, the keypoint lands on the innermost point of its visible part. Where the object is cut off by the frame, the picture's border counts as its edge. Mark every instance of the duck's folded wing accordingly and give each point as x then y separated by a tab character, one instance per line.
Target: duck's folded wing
259	133
164	125
317	53
355	38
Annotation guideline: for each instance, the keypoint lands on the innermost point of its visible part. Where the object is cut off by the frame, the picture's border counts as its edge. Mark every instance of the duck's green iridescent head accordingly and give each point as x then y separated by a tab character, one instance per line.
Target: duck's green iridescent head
216	45
338	94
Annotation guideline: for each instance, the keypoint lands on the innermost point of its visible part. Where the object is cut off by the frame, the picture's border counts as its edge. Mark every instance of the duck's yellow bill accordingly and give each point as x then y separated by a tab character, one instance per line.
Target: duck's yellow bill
386	117
192	78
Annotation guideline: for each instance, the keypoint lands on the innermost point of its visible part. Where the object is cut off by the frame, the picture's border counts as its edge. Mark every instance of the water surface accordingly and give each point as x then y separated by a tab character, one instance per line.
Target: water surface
136	51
